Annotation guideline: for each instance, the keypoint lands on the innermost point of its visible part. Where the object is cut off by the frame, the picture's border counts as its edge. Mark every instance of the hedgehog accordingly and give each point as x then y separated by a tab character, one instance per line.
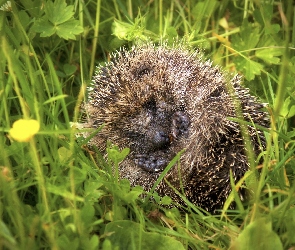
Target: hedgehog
159	100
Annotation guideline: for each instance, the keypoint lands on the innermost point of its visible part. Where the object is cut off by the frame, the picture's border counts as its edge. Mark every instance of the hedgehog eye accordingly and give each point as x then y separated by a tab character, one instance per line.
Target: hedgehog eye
150	104
217	92
145	70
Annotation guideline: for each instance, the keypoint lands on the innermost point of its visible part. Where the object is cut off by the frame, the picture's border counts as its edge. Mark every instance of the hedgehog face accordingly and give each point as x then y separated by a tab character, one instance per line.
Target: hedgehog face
151	122
153	133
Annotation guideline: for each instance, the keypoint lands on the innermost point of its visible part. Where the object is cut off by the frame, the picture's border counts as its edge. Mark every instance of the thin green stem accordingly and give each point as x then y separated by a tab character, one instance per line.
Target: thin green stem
160	17
95	38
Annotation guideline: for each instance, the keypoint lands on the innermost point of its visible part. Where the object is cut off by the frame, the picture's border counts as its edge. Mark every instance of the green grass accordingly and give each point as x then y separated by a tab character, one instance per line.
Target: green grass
57	194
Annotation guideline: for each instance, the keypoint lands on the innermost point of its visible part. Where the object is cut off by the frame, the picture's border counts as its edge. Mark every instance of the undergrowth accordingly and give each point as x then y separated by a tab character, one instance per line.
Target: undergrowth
55	193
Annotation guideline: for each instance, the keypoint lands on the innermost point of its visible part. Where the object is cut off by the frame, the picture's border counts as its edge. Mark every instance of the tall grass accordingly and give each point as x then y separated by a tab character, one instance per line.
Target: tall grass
57	194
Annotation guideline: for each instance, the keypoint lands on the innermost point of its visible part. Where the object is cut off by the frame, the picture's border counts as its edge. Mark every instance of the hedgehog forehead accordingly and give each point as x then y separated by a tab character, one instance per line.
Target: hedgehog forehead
156	91
147	71
175	61
157	55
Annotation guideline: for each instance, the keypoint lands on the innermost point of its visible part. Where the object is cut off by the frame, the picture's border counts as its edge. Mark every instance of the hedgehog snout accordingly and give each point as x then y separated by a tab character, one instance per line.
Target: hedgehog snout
161	136
160	139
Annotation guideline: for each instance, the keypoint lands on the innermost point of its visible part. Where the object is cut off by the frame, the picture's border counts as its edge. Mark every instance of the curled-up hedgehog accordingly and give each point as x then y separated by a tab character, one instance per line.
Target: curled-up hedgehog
159	100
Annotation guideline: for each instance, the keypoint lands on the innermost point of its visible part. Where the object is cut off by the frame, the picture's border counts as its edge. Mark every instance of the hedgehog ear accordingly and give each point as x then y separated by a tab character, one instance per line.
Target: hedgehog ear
104	71
217	92
142	71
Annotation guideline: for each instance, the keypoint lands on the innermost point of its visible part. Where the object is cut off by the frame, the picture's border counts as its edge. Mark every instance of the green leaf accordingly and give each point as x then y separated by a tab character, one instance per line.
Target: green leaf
44	27
247	39
69	69
258	235
288	108
64	154
132	195
269	55
130	235
87	214
69	29
107	245
93	191
130	31
62	191
65	243
94	242
249	67
166	200
121	29
272	29
115	155
58	12
244	43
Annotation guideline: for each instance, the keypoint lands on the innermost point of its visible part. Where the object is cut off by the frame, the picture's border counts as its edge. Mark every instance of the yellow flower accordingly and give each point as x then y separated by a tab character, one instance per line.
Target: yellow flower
23	130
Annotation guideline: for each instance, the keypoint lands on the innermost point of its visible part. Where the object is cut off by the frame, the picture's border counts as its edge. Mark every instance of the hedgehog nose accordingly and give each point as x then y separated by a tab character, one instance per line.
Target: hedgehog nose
160	139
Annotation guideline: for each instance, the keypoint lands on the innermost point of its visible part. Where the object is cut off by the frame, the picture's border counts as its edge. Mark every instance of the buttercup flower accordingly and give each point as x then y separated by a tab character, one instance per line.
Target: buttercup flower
23	130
